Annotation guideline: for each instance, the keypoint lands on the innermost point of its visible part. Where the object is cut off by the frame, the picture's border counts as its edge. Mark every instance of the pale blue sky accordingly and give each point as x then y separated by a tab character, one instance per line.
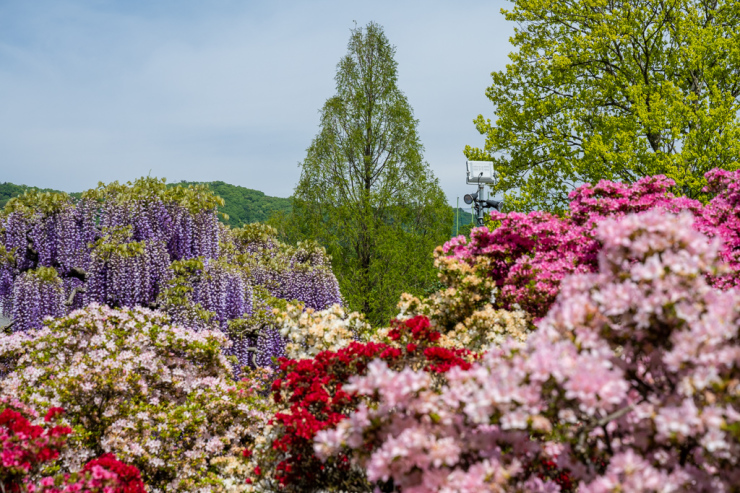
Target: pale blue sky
94	90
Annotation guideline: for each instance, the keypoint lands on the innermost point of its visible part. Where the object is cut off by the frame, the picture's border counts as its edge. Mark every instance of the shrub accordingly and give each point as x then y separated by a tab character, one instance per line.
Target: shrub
630	383
29	450
528	255
156	395
25	448
310	393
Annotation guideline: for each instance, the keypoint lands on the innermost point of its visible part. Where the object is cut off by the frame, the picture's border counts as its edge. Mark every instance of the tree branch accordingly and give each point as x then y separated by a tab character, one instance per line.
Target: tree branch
71	299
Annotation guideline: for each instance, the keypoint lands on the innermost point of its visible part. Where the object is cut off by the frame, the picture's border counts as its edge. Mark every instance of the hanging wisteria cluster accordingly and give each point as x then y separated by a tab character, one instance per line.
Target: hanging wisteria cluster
148	244
123	272
186	233
291	273
37	294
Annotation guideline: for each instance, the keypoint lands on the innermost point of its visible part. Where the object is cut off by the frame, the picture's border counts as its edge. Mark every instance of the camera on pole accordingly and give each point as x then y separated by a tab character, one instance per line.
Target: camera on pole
479	173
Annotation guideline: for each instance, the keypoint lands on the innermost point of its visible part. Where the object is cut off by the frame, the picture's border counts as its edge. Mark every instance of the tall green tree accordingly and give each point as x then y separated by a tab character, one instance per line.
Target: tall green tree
616	90
365	192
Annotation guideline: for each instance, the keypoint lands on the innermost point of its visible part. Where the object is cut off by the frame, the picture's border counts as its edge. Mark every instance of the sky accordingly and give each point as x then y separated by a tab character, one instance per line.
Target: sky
94	90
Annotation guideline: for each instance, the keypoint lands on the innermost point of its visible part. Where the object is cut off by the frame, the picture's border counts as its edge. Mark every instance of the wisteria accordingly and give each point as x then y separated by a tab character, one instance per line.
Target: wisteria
124	272
37	294
186	234
122	245
270	346
223	289
298	273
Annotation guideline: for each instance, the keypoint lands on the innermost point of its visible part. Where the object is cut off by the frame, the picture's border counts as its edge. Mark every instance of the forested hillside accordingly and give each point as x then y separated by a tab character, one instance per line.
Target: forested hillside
244	205
9	190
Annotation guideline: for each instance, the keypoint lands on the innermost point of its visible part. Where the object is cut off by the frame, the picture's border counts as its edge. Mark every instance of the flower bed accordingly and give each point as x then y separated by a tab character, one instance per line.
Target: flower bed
594	352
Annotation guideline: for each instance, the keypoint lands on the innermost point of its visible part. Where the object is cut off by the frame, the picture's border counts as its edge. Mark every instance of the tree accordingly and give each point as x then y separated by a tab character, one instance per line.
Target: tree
618	90
364	192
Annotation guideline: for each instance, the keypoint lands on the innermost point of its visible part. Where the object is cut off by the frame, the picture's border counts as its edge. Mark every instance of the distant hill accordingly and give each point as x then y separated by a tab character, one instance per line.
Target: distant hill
9	190
243	205
465	217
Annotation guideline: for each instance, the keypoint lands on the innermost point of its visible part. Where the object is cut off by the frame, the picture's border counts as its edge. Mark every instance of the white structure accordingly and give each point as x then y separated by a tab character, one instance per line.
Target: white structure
479	172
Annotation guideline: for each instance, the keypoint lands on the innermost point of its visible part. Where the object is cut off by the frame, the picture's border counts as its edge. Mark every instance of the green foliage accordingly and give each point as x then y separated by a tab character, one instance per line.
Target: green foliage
10	190
364	192
254	233
195	198
264	309
176	297
243	205
35	201
117	241
601	89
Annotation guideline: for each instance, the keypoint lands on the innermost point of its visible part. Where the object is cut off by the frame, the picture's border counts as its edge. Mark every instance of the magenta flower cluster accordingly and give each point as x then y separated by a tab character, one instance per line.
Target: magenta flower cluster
530	254
30	446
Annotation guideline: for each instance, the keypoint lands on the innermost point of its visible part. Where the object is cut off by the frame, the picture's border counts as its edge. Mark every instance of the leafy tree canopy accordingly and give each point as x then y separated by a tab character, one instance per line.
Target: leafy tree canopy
618	90
365	193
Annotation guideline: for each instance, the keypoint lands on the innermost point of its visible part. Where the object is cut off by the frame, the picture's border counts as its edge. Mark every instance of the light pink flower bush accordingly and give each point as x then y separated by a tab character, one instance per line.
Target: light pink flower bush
159	396
630	383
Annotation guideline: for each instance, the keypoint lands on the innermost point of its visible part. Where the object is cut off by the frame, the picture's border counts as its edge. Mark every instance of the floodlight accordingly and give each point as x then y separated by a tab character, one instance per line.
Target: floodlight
470	197
479	172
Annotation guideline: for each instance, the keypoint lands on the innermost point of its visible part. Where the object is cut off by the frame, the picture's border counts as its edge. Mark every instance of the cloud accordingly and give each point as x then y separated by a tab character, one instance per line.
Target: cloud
223	90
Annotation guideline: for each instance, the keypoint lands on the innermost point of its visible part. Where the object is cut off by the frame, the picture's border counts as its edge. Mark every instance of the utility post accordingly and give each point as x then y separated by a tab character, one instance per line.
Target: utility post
480	173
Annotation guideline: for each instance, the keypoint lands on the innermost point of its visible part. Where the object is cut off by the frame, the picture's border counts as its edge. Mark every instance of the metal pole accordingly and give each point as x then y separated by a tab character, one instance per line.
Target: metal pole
457	217
479	204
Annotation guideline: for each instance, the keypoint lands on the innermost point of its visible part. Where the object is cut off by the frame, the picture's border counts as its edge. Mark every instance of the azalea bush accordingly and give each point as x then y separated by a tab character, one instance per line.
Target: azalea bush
159	396
311	398
528	255
29	452
27	448
463	309
630	383
310	331
105	474
327	347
